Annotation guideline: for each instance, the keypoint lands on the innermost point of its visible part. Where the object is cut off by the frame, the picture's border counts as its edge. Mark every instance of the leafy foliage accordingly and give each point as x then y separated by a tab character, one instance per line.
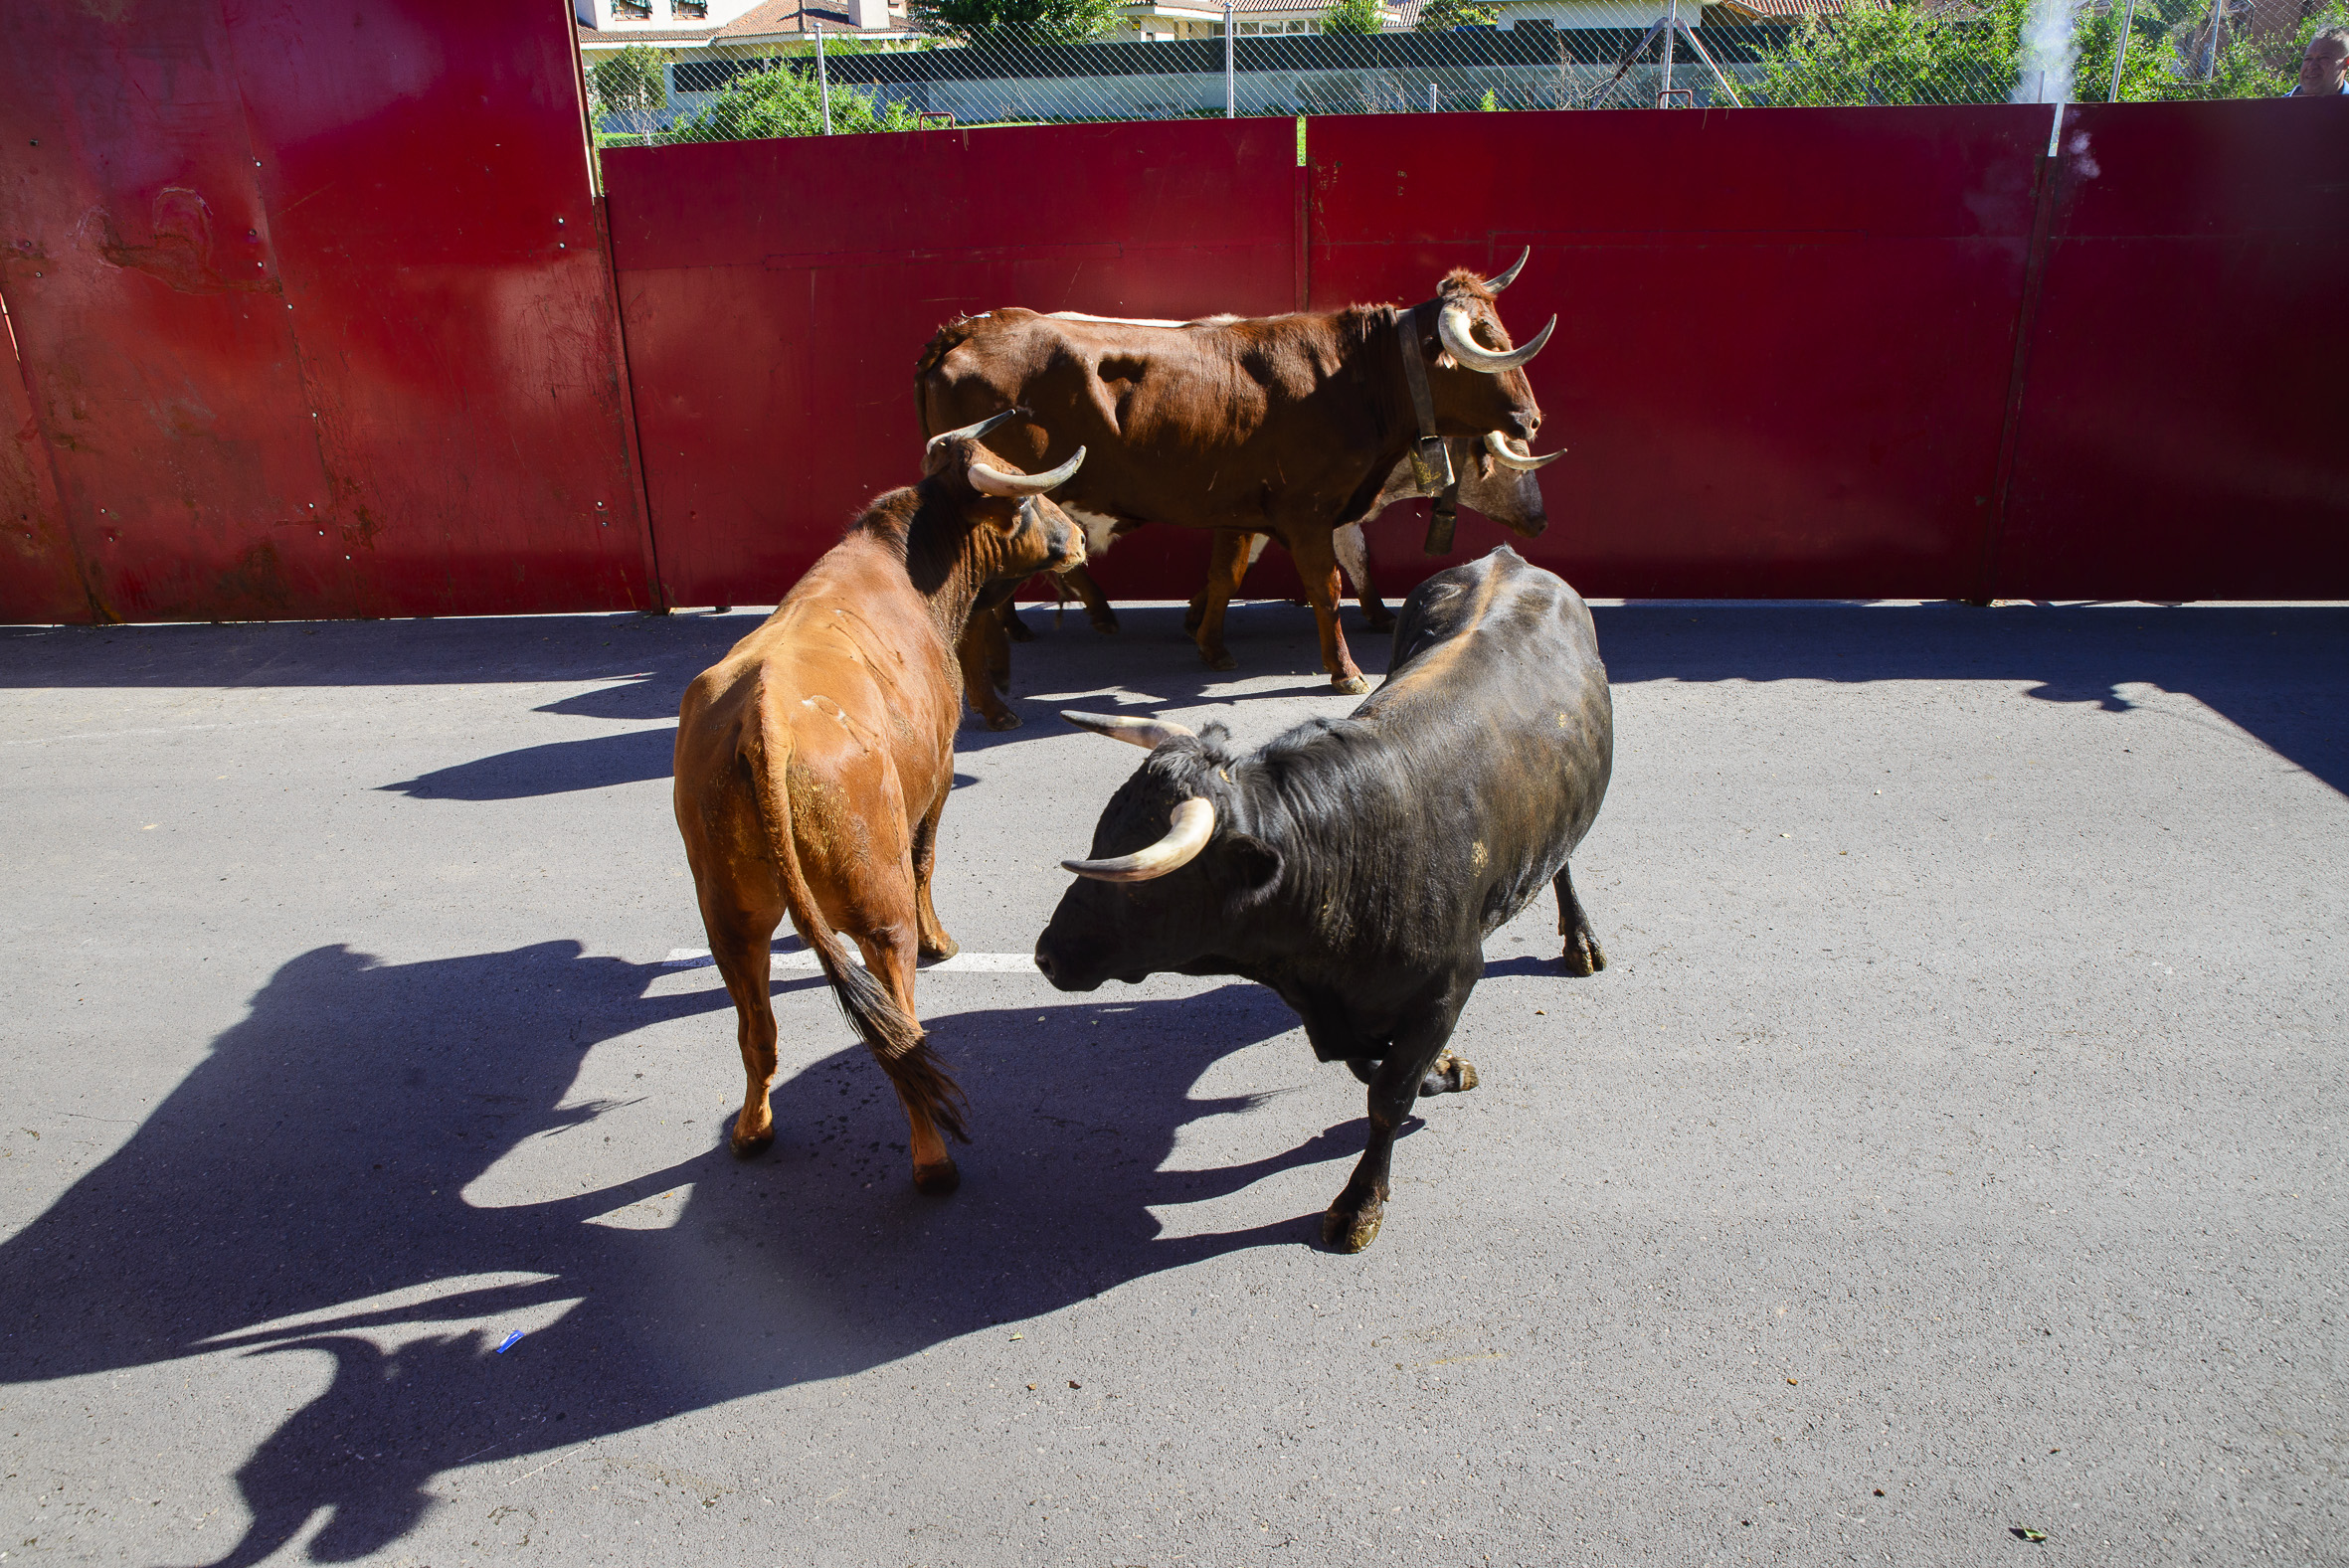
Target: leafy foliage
1888	52
1441	16
633	78
1017	21
780	100
1359	18
2244	67
1897	51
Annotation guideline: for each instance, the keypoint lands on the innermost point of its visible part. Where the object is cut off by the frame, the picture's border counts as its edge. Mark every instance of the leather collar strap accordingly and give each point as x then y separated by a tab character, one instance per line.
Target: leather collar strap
1431	465
1431	461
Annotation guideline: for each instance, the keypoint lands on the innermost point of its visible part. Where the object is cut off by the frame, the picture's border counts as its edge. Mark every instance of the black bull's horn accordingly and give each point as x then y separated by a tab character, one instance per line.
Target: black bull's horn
1193	824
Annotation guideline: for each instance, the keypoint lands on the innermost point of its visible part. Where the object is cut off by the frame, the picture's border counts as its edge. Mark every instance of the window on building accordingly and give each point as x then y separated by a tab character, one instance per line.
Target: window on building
633	10
690	10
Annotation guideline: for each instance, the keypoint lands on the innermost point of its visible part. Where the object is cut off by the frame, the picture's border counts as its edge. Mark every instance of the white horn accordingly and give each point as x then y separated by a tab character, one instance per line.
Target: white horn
930	452
1452	325
1149	733
1195	825
1498	284
1523	462
994	482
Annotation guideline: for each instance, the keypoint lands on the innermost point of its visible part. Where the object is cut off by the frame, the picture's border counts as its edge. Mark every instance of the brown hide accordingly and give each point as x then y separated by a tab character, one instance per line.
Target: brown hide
813	762
1285	426
1506	495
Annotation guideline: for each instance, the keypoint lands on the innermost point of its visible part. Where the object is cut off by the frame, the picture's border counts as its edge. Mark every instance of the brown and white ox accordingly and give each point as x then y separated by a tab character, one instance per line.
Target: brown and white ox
1284	425
1501	488
813	762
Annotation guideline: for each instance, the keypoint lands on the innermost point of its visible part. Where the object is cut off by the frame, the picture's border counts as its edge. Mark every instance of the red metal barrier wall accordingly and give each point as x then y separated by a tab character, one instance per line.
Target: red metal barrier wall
1784	335
777	294
2184	426
312	314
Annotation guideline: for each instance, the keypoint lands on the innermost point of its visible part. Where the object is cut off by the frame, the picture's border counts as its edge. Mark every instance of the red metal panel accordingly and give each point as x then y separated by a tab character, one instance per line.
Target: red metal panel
1785	336
777	294
302	331
2181	422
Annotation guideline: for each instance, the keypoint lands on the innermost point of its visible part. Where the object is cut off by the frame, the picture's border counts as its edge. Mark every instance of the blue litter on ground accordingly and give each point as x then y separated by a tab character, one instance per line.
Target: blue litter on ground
509	1341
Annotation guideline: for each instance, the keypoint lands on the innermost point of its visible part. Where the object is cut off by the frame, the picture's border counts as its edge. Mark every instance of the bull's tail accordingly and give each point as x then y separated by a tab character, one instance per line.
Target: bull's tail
895	1038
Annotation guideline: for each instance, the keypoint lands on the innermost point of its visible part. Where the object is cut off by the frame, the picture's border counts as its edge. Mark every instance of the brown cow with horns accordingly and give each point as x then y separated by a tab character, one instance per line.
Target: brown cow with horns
814	762
1286	425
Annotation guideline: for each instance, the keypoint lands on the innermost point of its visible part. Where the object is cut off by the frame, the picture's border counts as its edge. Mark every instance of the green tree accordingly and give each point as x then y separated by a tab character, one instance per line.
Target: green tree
1441	16
634	81
1894	51
1359	18
1017	21
779	100
2245	67
1888	52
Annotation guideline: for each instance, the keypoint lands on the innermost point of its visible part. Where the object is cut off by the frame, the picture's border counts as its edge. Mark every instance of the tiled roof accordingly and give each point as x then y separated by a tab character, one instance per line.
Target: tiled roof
770	18
1780	10
1214	8
790	17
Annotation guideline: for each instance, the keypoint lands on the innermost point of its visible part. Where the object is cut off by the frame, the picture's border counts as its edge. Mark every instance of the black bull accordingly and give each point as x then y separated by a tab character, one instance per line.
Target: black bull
1356	865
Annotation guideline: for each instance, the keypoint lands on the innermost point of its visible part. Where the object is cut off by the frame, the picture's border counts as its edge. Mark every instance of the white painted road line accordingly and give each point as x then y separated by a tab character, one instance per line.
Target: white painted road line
799	961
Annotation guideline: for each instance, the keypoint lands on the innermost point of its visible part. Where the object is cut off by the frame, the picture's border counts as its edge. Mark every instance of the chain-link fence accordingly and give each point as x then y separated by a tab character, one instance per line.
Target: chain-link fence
1862	52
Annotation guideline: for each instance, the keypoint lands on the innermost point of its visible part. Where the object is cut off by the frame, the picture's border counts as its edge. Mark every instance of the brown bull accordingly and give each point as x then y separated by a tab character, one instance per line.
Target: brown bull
1285	426
813	762
1500	485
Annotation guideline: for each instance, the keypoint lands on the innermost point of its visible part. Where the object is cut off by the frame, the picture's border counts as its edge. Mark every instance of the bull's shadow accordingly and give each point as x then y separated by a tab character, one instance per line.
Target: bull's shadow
302	1192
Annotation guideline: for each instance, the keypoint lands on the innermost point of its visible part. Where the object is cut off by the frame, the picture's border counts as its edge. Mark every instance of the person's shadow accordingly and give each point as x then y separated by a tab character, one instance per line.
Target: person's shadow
305	1191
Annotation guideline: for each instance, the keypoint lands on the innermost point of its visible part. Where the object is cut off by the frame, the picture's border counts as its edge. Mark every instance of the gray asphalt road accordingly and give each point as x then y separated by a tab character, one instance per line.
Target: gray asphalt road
1953	1148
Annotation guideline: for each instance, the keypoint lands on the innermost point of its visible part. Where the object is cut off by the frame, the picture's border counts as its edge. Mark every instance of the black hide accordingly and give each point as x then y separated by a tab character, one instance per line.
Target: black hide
1358	863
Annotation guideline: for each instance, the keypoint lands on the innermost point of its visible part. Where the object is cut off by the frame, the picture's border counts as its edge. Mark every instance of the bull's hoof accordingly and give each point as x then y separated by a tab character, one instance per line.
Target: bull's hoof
1017	629
1345	1232
1380	620
1449	1076
1106	621
757	1143
1349	685
1583	954
1219	660
1002	719
937	1180
944	948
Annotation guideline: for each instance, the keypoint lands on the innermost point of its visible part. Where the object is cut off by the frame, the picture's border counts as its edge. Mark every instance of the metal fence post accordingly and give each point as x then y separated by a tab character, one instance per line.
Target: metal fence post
2121	51
824	82
1671	43
1230	97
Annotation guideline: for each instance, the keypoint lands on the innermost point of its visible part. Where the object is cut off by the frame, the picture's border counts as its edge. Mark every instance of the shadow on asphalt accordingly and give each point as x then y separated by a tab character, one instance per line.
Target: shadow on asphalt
2270	671
314	1166
320	1158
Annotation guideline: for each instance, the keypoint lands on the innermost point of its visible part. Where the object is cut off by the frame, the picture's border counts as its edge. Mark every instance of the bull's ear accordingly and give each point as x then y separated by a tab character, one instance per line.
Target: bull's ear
1249	865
